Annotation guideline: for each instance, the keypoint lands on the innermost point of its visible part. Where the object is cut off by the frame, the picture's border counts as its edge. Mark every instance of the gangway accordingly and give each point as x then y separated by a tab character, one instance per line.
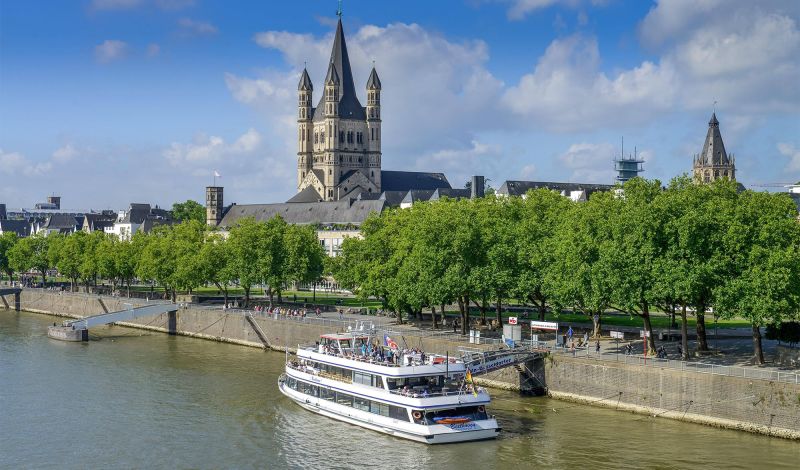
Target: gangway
480	362
78	330
15	291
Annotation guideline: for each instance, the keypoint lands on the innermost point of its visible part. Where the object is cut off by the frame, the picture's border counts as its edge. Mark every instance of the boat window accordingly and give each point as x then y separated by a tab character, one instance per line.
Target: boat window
363	378
361	404
344	343
397	412
379	408
468	413
327	394
344	399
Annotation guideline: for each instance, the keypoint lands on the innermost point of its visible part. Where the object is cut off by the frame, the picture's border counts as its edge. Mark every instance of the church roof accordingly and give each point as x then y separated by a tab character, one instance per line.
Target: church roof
408	180
308	194
332	77
713	149
373	83
345	211
305	82
349	106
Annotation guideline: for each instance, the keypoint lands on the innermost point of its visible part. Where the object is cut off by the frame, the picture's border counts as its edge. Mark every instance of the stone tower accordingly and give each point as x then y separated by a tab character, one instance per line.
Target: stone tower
214	205
339	141
713	163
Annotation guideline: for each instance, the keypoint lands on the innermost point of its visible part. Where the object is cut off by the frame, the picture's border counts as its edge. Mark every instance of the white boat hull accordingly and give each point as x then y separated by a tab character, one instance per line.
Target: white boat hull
437	434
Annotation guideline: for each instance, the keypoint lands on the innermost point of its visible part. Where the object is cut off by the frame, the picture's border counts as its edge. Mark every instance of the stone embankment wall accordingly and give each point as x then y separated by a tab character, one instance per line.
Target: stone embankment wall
759	406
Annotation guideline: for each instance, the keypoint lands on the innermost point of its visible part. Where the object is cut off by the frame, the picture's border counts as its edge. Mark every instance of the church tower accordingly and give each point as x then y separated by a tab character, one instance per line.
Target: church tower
713	163
339	141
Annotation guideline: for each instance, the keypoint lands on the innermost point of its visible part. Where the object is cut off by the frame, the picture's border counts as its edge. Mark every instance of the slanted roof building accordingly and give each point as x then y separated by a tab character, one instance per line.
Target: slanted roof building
574	191
713	162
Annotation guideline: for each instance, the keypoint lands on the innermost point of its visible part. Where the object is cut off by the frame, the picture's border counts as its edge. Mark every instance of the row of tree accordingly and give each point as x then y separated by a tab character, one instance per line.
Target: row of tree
178	258
685	248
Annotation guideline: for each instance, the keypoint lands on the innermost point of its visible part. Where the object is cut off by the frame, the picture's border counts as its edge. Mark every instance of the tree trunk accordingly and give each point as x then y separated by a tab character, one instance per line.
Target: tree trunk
280	297
44	279
433	316
542	310
759	352
684	334
596	319
650	341
441	310
702	342
499	309
314	286
129	288
247	297
270	293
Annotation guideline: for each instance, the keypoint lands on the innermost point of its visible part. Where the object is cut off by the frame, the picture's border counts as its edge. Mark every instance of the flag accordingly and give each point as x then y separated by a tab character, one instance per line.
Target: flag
216	174
468	380
469	377
389	342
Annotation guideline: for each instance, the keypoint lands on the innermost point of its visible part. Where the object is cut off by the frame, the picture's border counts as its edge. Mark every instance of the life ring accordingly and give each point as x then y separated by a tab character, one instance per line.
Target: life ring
481	408
416	414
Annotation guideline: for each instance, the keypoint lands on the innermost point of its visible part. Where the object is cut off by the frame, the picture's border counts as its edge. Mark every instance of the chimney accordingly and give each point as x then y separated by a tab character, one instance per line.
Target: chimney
476	187
55	201
3	215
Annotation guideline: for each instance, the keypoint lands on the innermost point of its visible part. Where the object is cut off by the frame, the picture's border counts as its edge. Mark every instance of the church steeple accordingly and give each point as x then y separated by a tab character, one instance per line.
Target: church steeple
713	162
349	106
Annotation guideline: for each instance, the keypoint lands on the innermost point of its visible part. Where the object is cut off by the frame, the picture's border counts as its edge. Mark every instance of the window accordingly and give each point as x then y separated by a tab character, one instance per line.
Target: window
341	137
360	377
397	412
327	394
379	408
361	404
344	399
316	138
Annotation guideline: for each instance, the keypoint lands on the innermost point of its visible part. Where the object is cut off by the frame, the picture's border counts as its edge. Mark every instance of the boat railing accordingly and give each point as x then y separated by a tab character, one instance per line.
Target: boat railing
402	360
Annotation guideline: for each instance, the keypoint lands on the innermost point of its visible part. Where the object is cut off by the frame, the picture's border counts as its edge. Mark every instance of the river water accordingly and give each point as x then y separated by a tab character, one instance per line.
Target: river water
135	399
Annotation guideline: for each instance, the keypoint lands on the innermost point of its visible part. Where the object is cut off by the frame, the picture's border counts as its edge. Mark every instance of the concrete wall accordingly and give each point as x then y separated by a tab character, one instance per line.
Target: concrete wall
752	405
732	402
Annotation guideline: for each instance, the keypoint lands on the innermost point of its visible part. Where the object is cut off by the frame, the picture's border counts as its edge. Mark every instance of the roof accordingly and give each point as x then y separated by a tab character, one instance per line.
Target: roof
393	198
519	188
20	227
713	149
408	180
345	211
349	106
308	194
62	222
418	195
332	77
453	193
305	82
373	83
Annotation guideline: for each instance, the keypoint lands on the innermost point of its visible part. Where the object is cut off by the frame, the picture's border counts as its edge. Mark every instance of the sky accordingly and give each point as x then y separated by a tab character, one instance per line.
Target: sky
108	102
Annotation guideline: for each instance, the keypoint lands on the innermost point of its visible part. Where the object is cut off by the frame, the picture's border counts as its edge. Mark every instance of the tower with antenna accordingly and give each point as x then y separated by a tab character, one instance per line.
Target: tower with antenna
629	167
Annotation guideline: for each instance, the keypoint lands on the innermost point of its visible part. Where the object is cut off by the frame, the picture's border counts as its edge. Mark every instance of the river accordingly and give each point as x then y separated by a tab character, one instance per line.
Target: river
136	399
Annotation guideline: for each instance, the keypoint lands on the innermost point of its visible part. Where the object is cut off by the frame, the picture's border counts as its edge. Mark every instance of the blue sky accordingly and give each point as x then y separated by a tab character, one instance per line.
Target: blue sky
108	102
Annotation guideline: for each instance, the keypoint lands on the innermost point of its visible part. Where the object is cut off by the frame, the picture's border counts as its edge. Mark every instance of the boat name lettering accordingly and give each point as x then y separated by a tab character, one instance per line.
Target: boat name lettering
463	426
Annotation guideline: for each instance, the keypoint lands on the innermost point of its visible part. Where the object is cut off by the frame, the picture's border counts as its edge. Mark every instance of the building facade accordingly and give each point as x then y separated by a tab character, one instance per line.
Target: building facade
713	163
339	140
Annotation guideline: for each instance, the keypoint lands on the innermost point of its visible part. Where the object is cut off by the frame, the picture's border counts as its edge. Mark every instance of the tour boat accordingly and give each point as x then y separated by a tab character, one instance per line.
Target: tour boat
427	398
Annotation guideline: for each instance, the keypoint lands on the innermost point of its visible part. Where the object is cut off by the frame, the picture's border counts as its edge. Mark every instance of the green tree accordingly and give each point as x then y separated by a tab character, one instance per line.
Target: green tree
244	244
186	241
126	258
31	253
7	242
189	210
89	266
305	257
762	283
215	263
66	254
580	275
106	258
157	261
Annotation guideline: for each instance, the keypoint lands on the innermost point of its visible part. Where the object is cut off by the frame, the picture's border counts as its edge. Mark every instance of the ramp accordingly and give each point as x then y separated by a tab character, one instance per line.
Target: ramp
77	330
482	362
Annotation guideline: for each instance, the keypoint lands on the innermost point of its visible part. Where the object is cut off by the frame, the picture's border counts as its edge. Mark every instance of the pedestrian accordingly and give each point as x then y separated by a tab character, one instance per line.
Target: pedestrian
680	351
564	340
597	347
572	347
586	338
341	314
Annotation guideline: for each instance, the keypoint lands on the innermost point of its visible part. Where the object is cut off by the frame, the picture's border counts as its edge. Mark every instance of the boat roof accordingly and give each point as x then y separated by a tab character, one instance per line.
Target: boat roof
338	336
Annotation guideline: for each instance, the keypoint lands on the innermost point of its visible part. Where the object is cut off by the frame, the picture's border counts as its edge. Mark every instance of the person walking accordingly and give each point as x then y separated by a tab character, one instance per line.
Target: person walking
597	347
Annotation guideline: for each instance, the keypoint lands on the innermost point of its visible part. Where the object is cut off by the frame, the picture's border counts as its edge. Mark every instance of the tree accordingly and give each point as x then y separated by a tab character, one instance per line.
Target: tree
635	249
7	242
89	266
31	253
157	261
580	273
215	263
126	257
244	243
186	241
541	212
189	210
66	254
763	276
305	257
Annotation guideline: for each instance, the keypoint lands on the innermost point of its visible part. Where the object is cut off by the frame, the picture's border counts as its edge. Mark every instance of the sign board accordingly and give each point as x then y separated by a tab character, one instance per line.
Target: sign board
618	334
513	332
544	325
644	334
512	320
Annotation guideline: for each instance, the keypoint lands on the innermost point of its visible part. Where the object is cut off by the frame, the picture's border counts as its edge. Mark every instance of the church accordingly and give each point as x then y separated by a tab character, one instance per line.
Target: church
339	140
713	162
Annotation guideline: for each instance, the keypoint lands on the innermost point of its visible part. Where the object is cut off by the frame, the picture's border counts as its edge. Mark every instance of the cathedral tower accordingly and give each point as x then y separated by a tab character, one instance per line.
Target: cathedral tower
713	163
339	149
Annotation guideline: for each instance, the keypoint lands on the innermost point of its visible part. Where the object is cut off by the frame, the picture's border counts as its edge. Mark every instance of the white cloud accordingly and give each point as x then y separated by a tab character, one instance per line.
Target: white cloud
64	153
210	149
16	164
519	9
792	153
109	50
589	163
190	27
174	4
115	4
528	171
153	50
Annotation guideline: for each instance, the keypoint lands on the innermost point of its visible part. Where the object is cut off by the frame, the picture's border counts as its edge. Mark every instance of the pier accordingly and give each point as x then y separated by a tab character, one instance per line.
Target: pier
78	330
15	291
